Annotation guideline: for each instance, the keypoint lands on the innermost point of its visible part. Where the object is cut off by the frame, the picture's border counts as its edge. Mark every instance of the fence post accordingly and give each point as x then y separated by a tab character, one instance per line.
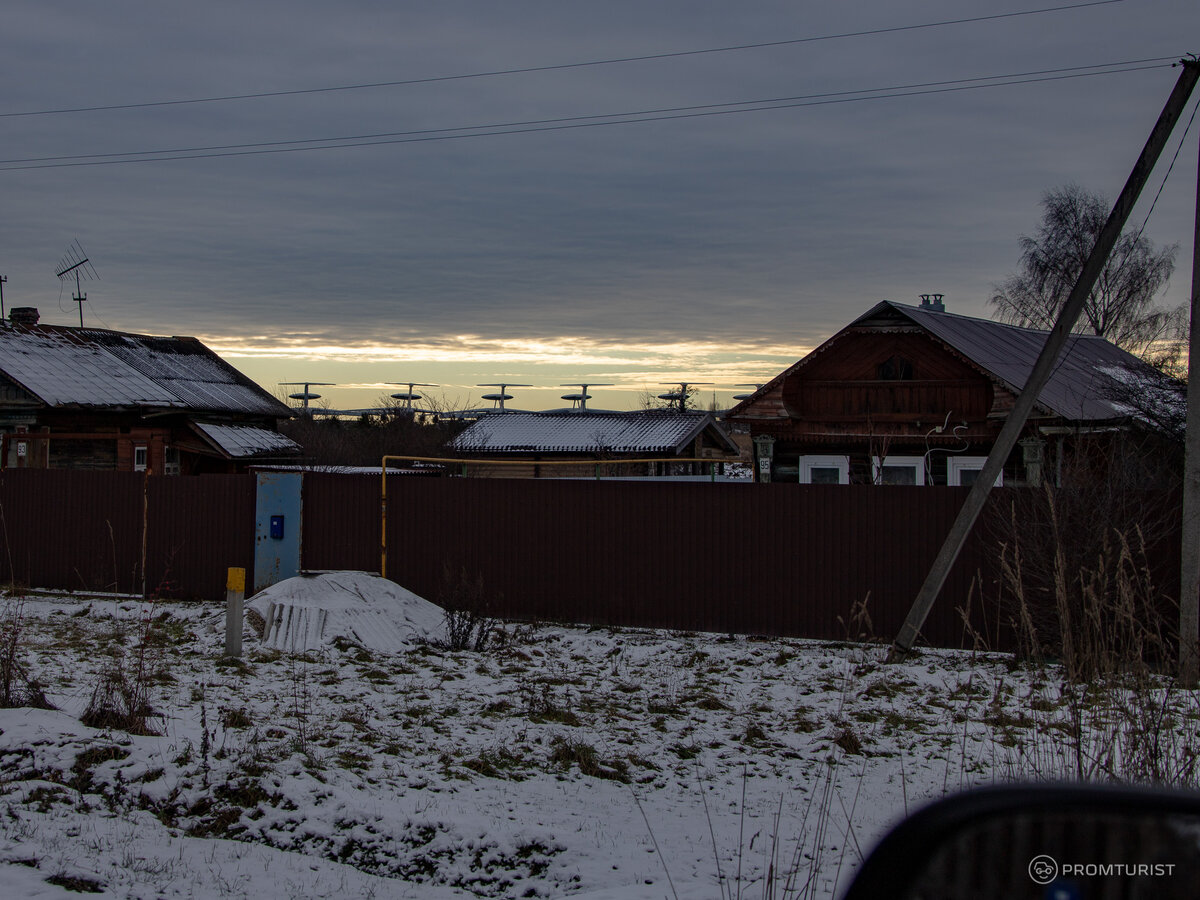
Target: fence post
235	591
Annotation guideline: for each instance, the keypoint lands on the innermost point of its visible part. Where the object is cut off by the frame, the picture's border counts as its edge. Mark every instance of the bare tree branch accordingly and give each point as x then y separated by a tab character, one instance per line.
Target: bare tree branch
1121	306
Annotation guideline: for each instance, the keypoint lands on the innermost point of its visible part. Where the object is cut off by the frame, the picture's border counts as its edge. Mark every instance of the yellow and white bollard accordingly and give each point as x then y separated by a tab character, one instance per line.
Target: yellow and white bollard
235	592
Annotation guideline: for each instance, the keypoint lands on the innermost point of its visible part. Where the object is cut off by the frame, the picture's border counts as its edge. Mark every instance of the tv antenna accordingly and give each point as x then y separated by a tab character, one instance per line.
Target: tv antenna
3	282
306	395
678	399
408	396
580	400
757	387
75	260
498	399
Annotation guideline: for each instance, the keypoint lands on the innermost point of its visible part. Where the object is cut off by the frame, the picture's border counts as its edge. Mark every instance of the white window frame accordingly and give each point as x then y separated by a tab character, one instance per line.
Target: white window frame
808	463
171	463
144	452
916	462
956	465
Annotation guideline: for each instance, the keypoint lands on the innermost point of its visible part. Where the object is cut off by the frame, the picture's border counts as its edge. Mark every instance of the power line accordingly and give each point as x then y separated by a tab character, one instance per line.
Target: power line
259	95
574	122
1167	174
1157	61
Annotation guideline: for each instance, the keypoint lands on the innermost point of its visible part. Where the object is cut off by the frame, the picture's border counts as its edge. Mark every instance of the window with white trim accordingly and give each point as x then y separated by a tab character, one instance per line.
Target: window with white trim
171	461
962	471
824	470
140	455
898	470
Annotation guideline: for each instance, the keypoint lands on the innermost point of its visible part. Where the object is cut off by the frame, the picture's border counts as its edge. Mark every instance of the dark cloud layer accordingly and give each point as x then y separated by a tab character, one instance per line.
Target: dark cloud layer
759	227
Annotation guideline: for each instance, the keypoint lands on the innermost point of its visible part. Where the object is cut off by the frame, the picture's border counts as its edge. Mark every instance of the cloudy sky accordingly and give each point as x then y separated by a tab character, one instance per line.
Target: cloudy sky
428	214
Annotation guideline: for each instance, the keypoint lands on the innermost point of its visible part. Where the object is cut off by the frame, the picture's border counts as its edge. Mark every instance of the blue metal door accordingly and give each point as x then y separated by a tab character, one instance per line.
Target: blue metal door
277	527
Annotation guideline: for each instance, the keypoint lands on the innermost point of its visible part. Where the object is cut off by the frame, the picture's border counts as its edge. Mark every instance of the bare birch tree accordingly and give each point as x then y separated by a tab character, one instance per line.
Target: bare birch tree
1121	307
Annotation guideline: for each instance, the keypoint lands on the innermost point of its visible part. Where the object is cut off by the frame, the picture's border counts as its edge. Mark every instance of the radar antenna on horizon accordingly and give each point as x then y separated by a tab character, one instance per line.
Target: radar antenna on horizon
498	399
678	399
408	396
75	260
306	395
579	401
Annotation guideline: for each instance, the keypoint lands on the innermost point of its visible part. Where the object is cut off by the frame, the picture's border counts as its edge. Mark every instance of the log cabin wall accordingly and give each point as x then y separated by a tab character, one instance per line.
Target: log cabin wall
876	391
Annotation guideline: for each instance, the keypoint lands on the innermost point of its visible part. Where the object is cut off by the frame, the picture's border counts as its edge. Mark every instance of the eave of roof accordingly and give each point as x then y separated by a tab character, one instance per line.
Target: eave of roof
246	441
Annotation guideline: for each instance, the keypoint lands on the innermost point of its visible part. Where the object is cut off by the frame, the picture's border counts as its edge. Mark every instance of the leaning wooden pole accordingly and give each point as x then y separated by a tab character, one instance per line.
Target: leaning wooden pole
1044	367
1189	573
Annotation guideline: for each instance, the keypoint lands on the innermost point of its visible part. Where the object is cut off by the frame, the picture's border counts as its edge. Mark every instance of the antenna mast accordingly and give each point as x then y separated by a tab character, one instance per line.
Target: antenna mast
76	260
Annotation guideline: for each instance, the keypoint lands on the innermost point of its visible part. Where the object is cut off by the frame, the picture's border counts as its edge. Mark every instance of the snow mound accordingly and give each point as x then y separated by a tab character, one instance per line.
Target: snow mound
309	611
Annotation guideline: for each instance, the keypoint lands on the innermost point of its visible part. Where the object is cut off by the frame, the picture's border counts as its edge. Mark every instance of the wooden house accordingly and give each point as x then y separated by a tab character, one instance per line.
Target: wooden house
638	444
85	398
917	395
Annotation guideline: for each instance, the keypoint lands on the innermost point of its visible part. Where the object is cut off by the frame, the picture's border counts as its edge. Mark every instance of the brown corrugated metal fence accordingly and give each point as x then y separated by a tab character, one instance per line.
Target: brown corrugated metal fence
783	559
84	531
71	530
773	559
200	527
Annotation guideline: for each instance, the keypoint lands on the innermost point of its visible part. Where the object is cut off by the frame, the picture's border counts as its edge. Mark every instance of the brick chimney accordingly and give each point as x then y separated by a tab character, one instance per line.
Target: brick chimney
933	302
24	315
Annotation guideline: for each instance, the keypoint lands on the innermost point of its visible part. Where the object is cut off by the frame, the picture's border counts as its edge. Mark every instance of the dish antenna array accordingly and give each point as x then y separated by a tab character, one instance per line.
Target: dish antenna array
678	399
408	396
306	395
580	400
498	399
75	261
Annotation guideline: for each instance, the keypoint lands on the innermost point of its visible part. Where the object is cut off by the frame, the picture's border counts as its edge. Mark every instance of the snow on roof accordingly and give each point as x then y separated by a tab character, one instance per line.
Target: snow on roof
93	368
247	441
583	433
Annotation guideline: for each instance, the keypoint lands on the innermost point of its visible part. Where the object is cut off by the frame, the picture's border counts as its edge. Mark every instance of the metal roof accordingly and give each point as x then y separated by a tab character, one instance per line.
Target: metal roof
106	369
1081	386
248	441
648	432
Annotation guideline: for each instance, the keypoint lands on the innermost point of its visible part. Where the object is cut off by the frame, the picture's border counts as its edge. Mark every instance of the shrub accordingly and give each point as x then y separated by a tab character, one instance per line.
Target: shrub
469	625
17	688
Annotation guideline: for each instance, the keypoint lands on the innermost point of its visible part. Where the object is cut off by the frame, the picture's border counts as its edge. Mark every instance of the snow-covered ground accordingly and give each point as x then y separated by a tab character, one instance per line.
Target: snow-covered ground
594	763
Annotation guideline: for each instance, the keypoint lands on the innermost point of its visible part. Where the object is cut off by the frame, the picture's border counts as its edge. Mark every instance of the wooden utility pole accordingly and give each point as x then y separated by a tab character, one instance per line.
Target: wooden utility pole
1189	572
1044	367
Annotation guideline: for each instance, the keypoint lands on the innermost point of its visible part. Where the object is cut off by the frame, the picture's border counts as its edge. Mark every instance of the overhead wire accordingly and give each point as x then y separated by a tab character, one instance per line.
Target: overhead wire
1070	346
258	95
617	115
582	121
1167	174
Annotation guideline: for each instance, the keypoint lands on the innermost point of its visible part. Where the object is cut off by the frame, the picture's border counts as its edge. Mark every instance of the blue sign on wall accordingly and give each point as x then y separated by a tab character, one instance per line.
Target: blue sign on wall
277	527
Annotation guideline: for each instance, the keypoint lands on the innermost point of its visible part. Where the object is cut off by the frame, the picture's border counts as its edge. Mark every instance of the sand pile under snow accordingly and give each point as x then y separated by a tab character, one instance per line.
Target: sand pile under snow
309	611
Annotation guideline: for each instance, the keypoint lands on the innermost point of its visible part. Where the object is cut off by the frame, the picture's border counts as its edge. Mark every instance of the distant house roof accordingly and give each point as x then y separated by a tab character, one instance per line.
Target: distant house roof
91	368
1080	388
247	441
650	432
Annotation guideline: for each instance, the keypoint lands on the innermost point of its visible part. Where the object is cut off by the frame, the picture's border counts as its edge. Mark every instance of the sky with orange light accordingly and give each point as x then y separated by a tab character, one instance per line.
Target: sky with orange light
467	192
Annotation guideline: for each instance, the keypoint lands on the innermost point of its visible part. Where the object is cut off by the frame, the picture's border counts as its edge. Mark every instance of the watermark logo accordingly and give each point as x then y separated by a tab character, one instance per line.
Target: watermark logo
1043	869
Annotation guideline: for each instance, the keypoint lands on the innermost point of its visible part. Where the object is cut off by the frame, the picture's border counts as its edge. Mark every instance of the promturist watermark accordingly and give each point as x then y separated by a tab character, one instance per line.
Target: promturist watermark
1044	869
